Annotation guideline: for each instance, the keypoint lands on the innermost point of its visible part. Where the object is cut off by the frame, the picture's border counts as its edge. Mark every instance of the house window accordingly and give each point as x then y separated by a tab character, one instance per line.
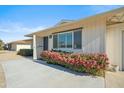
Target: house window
65	40
69	40
72	39
62	40
77	39
55	41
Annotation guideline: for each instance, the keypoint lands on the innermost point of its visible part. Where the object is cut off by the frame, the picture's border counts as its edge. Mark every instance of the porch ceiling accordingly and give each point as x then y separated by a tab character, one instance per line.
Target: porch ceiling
114	19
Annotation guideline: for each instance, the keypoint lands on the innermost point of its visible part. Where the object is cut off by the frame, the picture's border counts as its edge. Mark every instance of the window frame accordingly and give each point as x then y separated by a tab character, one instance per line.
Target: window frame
72	32
53	41
71	40
81	39
66	40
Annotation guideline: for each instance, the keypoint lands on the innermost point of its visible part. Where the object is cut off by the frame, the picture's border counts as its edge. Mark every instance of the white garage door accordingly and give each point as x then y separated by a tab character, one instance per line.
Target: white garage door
18	47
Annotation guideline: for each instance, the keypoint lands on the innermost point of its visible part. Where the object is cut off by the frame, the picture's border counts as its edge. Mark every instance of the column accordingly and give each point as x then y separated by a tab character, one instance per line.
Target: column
34	47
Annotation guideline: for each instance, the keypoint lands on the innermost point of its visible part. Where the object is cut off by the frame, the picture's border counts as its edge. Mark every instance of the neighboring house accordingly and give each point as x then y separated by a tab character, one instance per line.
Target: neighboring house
102	33
20	44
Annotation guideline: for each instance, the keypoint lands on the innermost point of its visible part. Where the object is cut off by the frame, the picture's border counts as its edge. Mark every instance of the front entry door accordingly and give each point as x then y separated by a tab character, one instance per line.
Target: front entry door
123	50
45	43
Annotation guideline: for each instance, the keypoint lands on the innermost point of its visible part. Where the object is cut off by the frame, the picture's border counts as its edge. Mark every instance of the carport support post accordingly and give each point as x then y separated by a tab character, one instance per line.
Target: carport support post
34	47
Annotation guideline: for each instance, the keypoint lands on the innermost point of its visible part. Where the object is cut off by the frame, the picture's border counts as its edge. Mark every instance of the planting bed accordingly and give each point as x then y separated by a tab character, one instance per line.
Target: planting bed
94	64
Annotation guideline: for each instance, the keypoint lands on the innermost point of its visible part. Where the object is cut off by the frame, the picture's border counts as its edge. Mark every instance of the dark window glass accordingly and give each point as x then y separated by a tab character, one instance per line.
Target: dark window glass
78	39
55	41
45	43
69	40
62	40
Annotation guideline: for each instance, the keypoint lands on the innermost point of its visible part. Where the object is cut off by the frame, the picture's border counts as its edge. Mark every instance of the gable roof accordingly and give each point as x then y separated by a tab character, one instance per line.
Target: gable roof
27	41
63	21
105	14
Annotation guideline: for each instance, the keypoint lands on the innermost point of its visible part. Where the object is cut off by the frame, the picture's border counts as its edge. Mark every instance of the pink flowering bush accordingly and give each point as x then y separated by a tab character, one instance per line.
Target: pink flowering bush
94	64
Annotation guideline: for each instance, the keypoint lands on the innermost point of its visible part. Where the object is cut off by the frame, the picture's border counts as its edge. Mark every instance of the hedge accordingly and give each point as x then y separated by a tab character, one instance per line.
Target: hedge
25	52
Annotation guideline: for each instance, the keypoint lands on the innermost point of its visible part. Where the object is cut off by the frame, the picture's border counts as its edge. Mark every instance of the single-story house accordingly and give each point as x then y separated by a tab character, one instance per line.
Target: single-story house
101	33
20	44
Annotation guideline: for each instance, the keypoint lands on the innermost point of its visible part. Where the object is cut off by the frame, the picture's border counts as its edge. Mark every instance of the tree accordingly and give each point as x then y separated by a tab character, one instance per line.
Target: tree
1	45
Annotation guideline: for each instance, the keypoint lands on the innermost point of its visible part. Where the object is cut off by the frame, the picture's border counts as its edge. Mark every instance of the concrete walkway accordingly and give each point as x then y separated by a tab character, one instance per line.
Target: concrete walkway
114	79
2	78
24	73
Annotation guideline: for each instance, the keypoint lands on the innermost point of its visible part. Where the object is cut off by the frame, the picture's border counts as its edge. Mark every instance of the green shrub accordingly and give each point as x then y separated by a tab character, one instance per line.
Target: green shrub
25	52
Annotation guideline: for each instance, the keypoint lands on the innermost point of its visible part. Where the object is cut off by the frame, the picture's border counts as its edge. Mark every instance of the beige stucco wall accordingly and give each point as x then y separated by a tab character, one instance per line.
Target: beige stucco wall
93	36
50	43
39	45
114	43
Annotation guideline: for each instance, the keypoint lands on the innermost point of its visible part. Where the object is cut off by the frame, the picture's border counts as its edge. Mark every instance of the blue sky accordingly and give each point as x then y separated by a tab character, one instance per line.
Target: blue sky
16	21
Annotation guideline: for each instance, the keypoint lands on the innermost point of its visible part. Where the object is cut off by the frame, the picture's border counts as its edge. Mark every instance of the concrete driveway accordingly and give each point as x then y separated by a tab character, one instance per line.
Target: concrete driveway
114	79
25	73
